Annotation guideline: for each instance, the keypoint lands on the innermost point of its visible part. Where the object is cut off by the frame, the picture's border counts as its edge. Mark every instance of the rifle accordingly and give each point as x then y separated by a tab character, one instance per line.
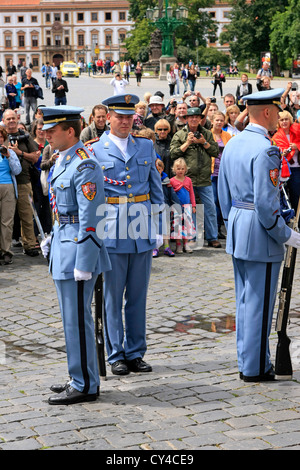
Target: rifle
283	363
99	326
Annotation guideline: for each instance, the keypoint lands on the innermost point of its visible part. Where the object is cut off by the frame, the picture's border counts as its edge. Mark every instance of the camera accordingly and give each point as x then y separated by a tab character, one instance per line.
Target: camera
294	86
213	100
3	150
197	134
13	139
173	104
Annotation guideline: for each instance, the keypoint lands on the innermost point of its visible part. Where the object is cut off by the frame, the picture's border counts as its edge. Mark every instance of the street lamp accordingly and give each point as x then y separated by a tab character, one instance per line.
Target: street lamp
167	24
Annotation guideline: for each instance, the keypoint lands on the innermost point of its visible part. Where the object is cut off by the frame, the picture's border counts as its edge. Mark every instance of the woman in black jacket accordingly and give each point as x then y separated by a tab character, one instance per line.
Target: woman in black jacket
162	130
245	88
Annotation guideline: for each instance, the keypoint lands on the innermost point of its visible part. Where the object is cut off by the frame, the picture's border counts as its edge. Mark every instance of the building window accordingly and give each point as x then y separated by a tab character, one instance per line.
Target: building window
34	40
80	39
108	39
56	16
66	17
6	19
48	18
21	40
94	16
34	19
57	40
20	19
80	16
107	16
122	15
122	37
8	41
35	61
94	38
48	41
67	41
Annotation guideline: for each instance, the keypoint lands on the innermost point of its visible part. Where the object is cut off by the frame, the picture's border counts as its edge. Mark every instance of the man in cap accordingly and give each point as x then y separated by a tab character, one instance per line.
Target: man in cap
248	188
132	184
197	146
77	253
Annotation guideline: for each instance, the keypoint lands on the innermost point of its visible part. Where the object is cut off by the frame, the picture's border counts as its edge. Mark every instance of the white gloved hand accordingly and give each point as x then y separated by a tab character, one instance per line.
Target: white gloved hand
159	241
294	239
45	246
82	275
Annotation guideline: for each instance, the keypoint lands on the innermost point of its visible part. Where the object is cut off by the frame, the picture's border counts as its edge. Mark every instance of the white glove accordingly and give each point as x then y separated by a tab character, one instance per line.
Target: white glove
45	246
82	275
294	239
159	241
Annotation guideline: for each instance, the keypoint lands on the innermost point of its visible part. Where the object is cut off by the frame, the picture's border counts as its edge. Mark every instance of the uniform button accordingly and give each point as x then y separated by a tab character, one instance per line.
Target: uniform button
75	239
129	186
103	167
145	162
130	195
61	185
127	168
128	177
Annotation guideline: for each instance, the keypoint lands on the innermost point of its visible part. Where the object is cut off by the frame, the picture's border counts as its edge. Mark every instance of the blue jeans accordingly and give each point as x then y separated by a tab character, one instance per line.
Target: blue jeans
192	84
206	195
62	100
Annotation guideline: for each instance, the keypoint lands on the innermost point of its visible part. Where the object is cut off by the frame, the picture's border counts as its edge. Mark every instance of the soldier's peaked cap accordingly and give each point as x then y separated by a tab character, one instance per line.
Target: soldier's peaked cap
265	97
57	114
122	104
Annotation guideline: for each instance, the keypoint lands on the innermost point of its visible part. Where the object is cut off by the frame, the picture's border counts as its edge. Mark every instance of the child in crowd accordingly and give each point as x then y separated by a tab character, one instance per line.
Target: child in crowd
139	116
183	226
170	199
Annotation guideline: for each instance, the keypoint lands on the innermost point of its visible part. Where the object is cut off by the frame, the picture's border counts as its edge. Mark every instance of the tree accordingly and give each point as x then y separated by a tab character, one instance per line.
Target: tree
199	25
285	38
248	32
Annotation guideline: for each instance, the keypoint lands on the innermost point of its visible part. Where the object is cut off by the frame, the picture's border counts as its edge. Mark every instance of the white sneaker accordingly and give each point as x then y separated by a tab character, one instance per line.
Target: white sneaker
179	249
188	249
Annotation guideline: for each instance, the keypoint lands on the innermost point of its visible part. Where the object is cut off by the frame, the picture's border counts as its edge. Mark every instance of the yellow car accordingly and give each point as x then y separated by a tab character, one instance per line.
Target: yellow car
69	69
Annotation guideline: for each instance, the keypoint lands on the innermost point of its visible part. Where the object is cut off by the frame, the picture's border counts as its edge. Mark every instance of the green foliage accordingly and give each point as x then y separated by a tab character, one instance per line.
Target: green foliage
138	41
285	38
249	31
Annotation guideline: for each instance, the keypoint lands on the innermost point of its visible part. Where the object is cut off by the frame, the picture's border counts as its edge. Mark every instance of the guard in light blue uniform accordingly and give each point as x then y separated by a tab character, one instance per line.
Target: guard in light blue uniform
131	187
248	189
77	252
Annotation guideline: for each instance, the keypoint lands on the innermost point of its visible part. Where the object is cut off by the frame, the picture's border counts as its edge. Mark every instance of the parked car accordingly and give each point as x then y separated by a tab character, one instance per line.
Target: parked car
69	69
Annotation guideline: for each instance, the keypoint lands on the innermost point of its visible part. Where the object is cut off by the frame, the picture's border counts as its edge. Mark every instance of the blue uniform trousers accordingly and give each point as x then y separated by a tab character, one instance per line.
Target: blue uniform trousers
75	300
129	277
256	287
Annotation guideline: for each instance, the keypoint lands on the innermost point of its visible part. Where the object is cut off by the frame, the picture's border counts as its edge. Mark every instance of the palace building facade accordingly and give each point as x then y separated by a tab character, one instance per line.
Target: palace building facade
40	31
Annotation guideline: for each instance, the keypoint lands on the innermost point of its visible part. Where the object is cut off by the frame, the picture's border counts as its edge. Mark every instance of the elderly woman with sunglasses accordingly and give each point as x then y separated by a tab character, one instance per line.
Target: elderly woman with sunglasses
10	166
163	139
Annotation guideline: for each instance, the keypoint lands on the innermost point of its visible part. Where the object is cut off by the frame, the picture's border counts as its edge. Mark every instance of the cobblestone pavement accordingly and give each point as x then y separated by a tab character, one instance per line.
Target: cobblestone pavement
193	399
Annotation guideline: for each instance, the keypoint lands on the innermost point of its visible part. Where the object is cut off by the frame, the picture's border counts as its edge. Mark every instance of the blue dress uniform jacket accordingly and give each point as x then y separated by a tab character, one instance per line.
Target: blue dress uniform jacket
249	197
141	177
248	188
77	185
130	254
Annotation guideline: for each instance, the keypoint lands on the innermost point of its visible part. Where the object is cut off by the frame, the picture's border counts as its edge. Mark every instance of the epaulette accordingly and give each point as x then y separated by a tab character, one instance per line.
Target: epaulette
82	153
140	137
92	141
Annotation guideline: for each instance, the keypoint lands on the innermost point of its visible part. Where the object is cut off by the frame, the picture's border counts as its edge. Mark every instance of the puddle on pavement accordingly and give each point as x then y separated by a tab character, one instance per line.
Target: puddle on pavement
222	325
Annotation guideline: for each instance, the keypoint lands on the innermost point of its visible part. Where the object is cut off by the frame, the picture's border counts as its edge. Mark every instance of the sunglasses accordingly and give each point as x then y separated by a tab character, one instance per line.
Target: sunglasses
162	129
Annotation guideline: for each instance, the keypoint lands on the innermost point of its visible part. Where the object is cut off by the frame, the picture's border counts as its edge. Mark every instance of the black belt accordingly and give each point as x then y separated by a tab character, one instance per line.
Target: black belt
68	219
